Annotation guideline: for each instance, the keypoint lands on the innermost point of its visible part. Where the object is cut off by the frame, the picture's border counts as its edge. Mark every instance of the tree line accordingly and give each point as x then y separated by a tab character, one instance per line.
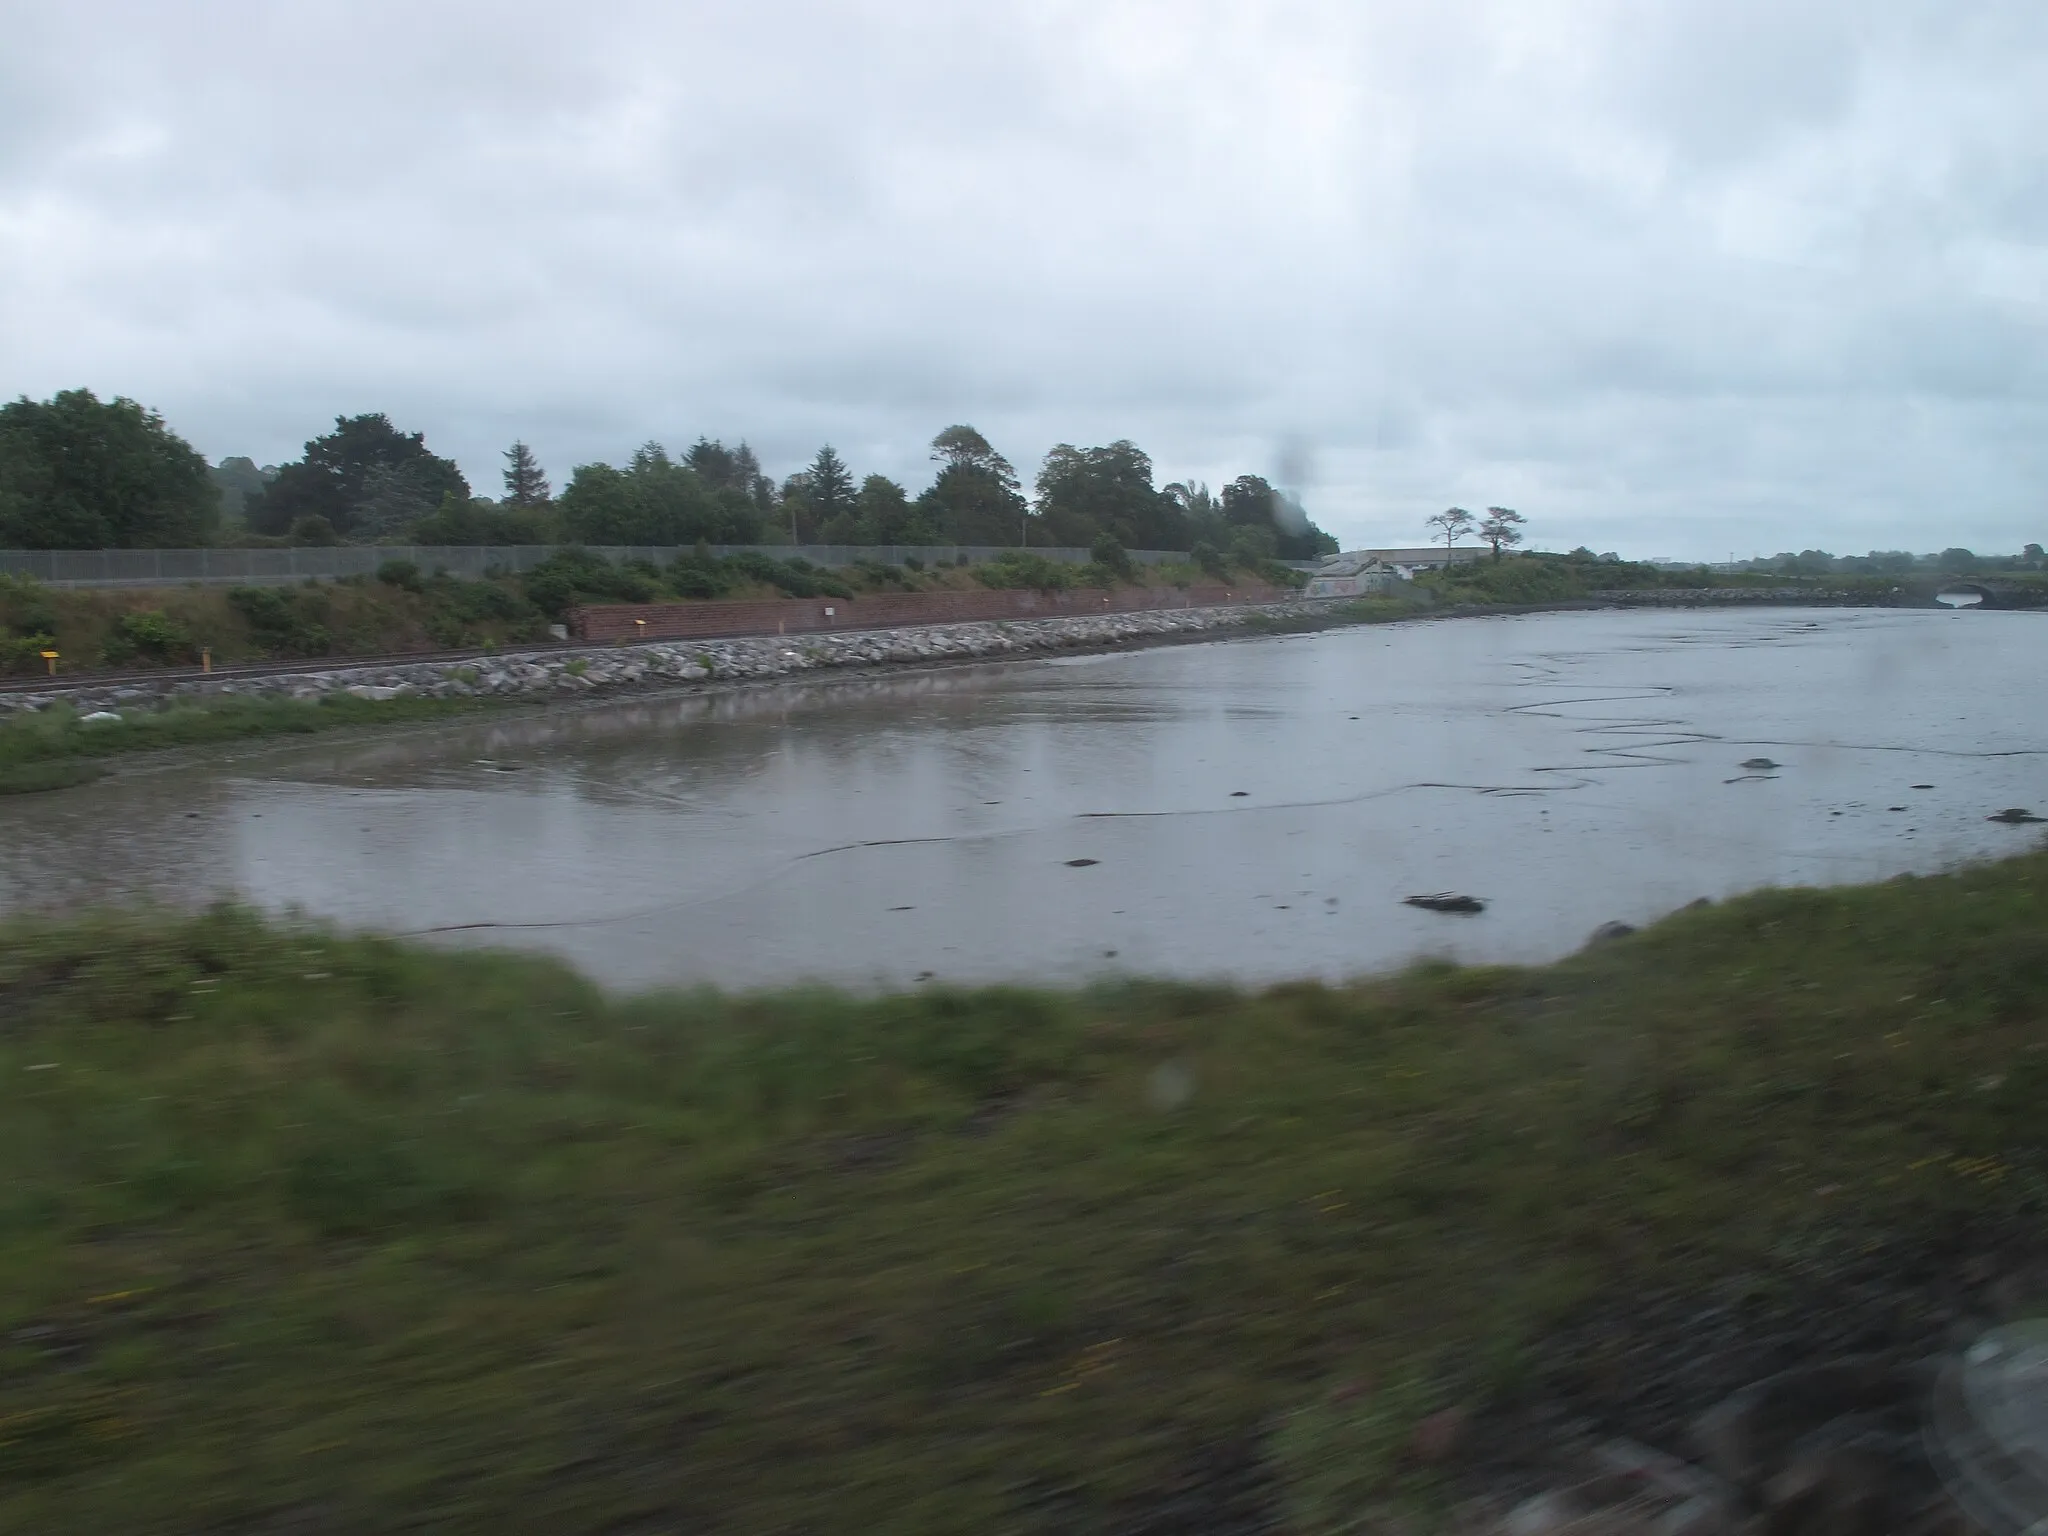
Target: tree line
80	473
1954	561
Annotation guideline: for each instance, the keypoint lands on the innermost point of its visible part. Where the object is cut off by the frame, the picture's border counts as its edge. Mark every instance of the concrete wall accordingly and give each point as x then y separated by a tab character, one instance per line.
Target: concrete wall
705	621
259	567
1362	584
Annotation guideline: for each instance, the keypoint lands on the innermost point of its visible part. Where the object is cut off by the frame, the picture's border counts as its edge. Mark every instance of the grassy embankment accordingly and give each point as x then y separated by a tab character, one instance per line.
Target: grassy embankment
99	628
404	609
55	748
302	1231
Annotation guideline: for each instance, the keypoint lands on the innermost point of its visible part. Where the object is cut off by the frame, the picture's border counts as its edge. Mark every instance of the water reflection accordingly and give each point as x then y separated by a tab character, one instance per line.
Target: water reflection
1252	808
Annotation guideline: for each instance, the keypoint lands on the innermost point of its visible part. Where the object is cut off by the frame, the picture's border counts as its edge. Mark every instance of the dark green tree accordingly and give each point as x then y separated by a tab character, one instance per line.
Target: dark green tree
340	472
77	472
394	498
476	521
526	483
975	499
653	500
1087	493
831	487
239	479
736	470
1251	507
793	513
716	465
888	515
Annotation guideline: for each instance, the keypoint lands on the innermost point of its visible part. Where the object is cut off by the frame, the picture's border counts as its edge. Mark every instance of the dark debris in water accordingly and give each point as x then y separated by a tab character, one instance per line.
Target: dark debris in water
1081	863
2014	816
1446	901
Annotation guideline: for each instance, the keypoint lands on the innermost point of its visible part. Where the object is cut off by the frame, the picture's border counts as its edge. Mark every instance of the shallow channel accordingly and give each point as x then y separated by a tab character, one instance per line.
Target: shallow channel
1254	809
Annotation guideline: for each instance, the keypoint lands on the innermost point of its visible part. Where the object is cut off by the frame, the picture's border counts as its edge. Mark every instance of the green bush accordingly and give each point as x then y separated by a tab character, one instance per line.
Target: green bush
1278	573
1112	556
24	653
147	635
693	578
570	576
282	620
480	602
1019	569
25	607
797	577
402	574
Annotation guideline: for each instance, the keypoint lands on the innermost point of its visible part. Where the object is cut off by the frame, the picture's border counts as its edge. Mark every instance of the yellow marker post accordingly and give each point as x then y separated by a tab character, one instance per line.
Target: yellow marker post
206	658
640	630
50	659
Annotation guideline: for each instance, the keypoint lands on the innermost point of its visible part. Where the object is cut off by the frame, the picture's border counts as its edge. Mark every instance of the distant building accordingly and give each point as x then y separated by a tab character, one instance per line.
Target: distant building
1351	575
1428	558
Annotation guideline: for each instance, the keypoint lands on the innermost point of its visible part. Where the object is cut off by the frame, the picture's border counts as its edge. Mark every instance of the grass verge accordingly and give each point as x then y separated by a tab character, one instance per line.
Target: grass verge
54	748
36	774
321	1232
1363	610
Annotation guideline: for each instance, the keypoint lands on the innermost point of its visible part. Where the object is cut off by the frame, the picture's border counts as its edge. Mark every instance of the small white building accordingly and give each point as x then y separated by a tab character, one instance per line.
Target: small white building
1357	574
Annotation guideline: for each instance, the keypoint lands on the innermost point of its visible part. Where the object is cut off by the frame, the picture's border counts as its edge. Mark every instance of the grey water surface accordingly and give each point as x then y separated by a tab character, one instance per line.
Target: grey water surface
1255	809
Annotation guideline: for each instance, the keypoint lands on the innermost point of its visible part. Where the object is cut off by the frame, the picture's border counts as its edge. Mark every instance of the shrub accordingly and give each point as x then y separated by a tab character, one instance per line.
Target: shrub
1112	556
279	619
688	579
558	582
402	574
25	606
1280	574
314	529
481	602
798	577
24	653
148	635
1019	569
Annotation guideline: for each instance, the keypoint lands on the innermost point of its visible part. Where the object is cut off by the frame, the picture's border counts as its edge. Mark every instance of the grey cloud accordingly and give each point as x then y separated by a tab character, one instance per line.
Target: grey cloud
1673	278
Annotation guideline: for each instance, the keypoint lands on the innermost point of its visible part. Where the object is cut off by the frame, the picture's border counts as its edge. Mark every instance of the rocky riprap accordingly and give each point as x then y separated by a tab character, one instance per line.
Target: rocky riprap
1905	1394
555	673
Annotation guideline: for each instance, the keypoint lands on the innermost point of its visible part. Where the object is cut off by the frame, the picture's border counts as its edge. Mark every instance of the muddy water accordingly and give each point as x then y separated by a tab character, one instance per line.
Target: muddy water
1254	809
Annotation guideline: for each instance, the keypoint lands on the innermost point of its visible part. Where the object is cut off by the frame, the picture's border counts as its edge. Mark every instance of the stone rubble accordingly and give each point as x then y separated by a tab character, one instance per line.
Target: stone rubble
1839	1449
596	668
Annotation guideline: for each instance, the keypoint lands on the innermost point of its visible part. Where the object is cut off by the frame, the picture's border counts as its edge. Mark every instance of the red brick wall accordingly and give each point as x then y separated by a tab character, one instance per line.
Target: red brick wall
799	615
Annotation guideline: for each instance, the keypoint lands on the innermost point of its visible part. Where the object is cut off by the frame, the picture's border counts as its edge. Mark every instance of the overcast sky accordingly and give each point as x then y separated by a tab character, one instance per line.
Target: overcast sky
1674	277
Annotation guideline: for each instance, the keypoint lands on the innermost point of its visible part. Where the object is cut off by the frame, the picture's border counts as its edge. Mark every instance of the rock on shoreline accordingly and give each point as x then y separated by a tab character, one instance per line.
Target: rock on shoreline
553	673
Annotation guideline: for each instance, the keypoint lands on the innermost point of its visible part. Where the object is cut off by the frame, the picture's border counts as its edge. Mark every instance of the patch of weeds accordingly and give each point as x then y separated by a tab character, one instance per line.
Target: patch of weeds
1342	1458
34	777
148	635
52	1438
